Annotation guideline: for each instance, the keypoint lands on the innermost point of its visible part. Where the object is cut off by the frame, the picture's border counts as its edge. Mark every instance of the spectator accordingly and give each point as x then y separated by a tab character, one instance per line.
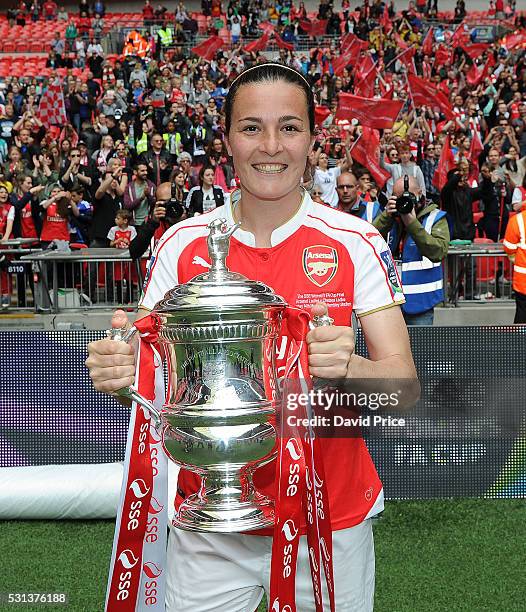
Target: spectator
349	201
429	165
139	196
157	159
425	237
28	222
55	219
120	236
102	156
405	166
81	215
71	35
75	173
107	201
62	14
49	10
325	177
515	246
206	196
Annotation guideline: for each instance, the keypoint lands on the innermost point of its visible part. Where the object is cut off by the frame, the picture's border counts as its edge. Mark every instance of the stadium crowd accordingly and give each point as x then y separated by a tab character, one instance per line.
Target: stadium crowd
413	93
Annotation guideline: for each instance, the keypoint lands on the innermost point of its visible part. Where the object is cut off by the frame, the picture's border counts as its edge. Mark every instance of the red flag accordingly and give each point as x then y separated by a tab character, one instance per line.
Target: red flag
423	93
258	45
266	26
282	44
400	42
443	56
350	39
316	27
407	59
475	149
517	39
51	109
320	114
365	77
459	37
427	43
385	20
366	151
339	63
445	163
209	47
475	50
474	76
373	112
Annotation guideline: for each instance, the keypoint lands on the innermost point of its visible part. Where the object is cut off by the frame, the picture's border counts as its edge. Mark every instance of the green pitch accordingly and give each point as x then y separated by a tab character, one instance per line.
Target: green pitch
433	556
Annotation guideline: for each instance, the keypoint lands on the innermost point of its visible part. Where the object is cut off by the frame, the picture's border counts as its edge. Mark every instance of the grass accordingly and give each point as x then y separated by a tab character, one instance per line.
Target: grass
433	556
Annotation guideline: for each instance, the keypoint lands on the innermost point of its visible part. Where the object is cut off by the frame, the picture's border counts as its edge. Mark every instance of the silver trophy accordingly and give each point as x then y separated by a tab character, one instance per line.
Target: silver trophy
219	332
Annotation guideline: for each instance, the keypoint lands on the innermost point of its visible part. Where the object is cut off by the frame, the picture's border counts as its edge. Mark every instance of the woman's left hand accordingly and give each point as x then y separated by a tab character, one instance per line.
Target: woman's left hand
330	347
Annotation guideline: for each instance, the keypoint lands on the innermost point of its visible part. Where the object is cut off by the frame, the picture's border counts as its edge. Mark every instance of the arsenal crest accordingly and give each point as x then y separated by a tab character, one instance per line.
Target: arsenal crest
320	264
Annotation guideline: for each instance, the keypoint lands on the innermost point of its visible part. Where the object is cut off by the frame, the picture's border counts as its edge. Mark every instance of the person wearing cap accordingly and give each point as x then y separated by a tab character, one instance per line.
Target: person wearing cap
191	174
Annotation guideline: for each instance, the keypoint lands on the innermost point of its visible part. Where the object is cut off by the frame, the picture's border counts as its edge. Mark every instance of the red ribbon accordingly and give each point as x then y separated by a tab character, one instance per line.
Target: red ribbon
301	490
127	565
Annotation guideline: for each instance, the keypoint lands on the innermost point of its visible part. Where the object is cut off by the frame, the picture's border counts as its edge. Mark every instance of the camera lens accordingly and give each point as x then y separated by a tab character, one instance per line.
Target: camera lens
404	204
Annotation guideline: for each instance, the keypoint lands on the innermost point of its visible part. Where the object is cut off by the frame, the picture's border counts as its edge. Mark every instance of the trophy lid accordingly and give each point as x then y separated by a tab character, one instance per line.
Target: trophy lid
219	289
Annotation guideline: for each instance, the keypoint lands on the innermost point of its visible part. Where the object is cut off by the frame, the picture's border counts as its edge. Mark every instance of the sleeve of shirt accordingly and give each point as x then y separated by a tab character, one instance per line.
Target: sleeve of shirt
376	282
161	272
336	171
111	233
11	214
133	232
517	196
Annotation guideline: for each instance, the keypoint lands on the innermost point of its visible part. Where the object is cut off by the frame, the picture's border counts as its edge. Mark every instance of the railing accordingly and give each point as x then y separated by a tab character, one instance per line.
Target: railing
88	278
478	273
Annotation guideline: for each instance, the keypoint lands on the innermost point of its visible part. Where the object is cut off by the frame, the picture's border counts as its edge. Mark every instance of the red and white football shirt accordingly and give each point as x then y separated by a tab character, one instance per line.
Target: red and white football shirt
320	254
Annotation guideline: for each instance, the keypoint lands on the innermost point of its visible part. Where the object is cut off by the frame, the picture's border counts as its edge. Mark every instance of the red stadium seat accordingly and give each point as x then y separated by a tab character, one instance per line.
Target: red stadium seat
9	46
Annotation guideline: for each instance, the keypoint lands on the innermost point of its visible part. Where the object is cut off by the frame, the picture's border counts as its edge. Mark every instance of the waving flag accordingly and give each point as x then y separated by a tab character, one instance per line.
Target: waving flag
365	77
51	110
475	149
445	164
425	94
316	27
283	44
373	112
366	151
258	45
320	114
427	43
209	47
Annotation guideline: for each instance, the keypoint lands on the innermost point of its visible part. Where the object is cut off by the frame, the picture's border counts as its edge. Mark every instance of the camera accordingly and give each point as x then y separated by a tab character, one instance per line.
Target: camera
174	209
407	201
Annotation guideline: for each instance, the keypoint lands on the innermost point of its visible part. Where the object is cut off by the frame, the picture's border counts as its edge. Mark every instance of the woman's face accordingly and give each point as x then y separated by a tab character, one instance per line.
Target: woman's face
208	178
269	138
27	183
323	161
4	195
218	145
14	155
179	179
513	153
65	146
107	142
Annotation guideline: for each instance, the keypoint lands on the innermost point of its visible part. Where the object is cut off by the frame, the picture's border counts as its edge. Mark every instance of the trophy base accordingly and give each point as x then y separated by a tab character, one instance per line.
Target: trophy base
197	515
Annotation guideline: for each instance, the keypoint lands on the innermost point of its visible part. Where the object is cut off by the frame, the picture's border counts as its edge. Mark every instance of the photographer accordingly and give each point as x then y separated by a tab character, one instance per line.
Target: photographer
424	233
168	210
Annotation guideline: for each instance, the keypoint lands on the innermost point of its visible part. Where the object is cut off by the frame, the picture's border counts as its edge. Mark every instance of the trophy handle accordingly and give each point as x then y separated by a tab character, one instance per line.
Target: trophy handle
125	335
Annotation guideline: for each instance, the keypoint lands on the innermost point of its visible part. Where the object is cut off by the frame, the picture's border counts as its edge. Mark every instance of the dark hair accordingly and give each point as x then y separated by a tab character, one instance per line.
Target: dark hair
269	72
202	173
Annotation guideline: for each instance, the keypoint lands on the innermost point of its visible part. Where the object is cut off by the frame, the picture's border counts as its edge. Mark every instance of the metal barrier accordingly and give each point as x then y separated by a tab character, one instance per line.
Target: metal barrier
89	278
53	281
478	272
18	274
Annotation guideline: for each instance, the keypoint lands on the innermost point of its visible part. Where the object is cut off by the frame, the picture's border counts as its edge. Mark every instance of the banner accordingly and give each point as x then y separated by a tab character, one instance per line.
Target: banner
464	438
373	112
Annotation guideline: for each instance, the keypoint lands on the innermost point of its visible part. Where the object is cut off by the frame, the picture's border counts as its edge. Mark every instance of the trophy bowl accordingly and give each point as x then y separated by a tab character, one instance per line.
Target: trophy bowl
218	333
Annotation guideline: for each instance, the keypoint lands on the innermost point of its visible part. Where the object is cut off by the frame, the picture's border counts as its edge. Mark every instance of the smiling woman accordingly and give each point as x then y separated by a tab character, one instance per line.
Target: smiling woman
316	258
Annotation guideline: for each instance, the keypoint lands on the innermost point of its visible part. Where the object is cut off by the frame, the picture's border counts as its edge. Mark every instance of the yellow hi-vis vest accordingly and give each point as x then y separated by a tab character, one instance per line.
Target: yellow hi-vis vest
165	36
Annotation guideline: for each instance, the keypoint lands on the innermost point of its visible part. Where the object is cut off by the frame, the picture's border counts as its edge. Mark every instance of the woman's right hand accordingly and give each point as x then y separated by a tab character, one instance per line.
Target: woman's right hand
111	363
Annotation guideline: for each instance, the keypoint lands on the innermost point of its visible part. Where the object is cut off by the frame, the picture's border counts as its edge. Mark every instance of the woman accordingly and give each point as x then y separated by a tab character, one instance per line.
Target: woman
206	196
518	199
27	210
15	165
218	158
102	156
326	177
179	194
44	172
280	227
55	219
7	218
